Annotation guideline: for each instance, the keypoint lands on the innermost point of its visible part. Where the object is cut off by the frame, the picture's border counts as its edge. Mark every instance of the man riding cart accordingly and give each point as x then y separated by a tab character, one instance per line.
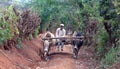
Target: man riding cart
50	40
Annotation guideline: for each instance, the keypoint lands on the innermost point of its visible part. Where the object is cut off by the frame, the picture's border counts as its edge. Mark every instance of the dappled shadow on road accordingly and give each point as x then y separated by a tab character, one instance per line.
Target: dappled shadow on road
60	53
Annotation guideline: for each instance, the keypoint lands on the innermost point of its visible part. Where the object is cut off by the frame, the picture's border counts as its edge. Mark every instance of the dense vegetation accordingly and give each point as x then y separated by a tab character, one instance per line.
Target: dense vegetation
97	19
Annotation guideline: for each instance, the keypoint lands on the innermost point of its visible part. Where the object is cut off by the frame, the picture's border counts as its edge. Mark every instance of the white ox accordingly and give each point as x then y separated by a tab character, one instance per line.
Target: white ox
48	43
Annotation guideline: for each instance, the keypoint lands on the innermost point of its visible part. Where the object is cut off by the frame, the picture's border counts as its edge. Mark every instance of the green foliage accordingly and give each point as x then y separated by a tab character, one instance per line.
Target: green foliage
110	57
117	4
115	27
19	42
89	11
3	0
102	40
7	24
111	16
4	31
107	9
69	12
30	36
36	32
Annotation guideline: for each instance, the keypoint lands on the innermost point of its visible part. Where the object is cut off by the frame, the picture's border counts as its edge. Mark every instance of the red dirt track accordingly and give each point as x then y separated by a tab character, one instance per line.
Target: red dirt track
28	57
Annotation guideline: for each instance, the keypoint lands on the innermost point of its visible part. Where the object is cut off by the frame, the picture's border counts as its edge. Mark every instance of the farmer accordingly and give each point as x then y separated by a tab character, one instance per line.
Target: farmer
60	32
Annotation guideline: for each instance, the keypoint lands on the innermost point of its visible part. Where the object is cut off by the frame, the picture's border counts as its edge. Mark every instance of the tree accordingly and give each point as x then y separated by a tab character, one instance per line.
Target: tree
54	12
108	12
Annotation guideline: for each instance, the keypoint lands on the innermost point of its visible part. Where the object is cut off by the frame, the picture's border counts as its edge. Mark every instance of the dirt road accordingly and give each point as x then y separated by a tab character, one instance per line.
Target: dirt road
58	59
64	60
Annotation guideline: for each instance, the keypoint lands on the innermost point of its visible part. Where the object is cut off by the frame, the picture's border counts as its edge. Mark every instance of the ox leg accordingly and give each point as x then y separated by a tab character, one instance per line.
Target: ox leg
75	51
46	50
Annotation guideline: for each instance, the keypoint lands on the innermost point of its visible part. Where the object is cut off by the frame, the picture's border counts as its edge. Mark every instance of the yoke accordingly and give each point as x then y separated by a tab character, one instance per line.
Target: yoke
80	37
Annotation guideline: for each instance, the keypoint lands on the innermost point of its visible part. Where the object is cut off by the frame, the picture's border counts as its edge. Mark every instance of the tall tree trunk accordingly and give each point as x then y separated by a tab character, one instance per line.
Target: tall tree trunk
108	30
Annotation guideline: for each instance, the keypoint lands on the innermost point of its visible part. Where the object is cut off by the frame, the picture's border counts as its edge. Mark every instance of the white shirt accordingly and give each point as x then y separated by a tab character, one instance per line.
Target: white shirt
60	33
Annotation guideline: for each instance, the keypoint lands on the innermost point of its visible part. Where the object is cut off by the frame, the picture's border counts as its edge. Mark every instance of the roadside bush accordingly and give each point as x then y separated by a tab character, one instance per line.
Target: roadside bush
110	58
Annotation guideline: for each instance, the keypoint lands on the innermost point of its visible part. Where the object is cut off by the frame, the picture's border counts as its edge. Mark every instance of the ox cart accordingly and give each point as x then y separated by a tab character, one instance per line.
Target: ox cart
73	40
